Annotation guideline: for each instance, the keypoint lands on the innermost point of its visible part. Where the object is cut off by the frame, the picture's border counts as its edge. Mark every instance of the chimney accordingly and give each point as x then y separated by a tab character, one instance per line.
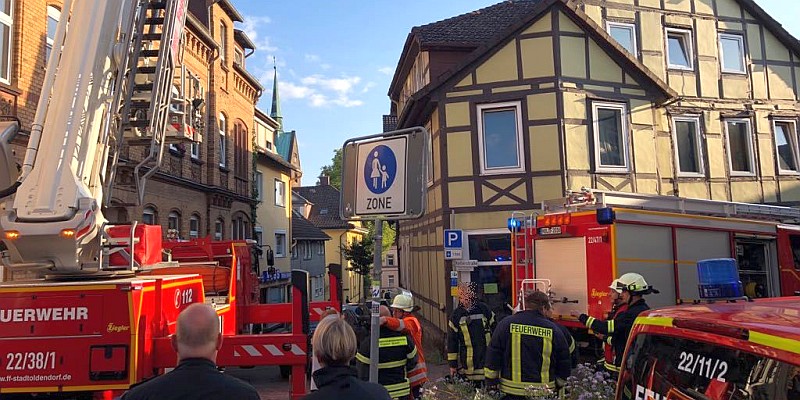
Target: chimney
324	180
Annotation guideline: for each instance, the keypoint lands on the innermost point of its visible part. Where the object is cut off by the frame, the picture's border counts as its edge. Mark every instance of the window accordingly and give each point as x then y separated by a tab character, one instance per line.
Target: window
430	157
688	146
174	221
390	260
624	34
240	227
731	53
786	146
390	280
223	127
500	138
197	96
258	185
740	147
53	15
223	41
321	248
241	152
294	252
280	244
219	227
610	137
194	226
238	58
149	216
679	49
280	193
307	252
6	39
260	240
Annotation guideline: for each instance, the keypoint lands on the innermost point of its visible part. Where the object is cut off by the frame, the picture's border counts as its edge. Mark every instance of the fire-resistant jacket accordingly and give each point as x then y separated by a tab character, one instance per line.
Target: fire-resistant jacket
527	349
469	334
410	326
618	328
397	354
605	328
573	345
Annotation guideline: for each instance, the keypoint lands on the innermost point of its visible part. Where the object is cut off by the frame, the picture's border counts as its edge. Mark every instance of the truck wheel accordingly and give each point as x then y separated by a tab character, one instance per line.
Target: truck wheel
286	371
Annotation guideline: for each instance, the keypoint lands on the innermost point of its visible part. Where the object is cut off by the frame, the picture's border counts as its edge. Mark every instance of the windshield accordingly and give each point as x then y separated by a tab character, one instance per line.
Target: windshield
664	367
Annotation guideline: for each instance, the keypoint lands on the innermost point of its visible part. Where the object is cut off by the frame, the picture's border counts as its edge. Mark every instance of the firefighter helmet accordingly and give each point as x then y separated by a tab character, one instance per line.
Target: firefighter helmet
634	283
403	302
615	286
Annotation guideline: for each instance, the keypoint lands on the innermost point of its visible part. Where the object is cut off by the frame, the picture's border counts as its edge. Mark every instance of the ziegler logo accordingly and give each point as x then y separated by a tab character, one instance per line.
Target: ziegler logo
117	328
598	294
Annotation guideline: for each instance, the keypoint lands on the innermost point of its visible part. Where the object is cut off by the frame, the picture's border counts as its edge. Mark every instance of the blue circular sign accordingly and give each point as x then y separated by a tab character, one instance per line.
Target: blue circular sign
380	169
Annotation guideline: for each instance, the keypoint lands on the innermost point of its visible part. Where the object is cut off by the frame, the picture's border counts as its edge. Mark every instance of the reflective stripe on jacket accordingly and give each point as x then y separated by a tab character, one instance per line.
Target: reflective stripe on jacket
397	355
467	337
411	326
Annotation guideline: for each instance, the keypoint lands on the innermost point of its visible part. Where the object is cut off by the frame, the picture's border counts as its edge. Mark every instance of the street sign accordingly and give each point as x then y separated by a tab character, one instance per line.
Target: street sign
384	176
453	254
465	265
380	179
453	238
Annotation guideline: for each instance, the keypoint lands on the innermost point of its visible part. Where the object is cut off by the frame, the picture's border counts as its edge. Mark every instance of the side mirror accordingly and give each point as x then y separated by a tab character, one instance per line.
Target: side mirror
270	257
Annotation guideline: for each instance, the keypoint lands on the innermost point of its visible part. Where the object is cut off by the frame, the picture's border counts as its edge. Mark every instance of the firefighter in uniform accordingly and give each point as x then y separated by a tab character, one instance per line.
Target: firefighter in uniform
397	355
631	287
604	329
470	329
527	350
403	321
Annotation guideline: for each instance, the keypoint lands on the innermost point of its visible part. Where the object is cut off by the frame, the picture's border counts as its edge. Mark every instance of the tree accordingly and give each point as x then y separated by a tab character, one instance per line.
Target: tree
361	255
334	170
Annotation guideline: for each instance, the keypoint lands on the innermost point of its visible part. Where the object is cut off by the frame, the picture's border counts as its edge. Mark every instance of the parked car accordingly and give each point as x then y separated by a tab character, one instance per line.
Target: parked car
738	350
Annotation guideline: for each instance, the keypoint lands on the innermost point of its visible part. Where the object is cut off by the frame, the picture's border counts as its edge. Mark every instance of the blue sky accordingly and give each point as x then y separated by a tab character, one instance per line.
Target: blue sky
336	59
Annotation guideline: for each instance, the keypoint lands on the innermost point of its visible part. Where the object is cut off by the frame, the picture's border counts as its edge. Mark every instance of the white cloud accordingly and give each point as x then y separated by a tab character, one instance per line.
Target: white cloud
254	26
289	90
367	87
312	58
386	71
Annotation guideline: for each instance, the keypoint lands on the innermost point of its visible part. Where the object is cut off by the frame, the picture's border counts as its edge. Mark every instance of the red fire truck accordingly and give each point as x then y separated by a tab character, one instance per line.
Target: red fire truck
580	243
87	307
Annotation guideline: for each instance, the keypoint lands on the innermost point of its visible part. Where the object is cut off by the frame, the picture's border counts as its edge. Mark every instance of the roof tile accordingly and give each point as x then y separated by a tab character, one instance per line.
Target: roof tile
325	206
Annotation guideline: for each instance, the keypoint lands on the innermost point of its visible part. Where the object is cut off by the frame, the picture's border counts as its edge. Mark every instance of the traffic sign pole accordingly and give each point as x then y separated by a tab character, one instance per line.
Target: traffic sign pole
375	324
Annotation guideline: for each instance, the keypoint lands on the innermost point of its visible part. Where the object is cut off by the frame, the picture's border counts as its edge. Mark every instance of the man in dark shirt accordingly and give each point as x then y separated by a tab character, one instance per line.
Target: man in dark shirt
197	340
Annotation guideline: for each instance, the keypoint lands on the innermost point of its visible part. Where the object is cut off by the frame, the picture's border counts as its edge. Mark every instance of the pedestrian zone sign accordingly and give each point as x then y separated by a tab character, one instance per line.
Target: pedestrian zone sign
381	180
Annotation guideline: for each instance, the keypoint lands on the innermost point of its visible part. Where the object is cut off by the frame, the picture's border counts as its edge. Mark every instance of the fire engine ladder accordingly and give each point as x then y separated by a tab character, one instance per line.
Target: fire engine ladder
146	100
696	206
523	255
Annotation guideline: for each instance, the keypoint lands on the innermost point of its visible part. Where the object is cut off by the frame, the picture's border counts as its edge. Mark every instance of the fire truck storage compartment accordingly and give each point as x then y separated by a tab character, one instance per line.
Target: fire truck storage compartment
146	252
563	262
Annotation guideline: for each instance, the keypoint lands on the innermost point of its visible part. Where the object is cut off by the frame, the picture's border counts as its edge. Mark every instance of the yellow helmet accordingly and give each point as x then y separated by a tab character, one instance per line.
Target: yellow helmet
403	302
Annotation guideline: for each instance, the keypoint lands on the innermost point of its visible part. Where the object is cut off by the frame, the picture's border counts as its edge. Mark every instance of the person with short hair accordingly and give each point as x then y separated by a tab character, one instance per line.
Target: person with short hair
334	345
527	350
197	340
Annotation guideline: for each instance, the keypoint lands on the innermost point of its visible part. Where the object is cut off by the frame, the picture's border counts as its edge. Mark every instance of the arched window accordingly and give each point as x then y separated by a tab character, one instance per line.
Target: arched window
149	216
53	16
219	229
174	223
194	226
223	127
240	227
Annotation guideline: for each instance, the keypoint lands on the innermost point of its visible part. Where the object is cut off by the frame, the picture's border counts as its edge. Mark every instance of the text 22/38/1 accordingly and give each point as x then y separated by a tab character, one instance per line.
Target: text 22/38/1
30	361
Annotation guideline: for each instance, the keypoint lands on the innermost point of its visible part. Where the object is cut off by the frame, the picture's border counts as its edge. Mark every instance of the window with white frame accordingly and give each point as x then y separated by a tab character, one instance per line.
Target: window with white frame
731	53
6	39
610	137
149	216
280	244
259	185
280	193
786	146
430	160
194	226
294	252
688	145
624	34
223	41
500	138
53	16
223	128
307	252
219	229
740	147
321	248
390	280
679	49
238	58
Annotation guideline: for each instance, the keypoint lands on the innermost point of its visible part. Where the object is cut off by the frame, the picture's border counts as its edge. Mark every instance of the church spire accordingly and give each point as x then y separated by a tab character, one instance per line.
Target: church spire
276	100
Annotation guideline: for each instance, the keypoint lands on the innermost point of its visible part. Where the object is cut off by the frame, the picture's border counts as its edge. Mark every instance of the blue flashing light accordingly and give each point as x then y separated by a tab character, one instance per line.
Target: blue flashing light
606	216
719	278
514	224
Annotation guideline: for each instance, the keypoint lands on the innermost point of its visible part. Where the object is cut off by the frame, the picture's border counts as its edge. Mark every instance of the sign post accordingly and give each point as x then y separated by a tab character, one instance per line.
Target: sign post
383	178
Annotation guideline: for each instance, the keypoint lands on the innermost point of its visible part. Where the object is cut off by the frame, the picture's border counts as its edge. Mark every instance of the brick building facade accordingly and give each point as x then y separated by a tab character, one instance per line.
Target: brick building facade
202	189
